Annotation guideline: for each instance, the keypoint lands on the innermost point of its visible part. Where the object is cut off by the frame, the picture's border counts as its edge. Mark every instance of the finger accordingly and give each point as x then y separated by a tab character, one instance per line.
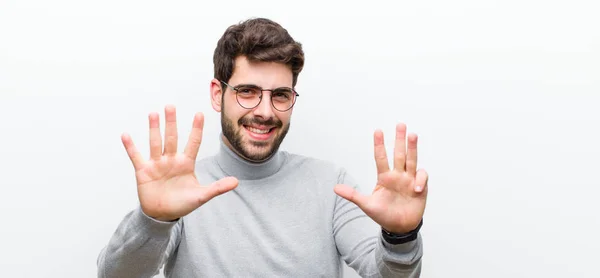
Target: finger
193	144
170	130
380	156
400	147
411	155
155	140
217	188
134	155
421	181
351	195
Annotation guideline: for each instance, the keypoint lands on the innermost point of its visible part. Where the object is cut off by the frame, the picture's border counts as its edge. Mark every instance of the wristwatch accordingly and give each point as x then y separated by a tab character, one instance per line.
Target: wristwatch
393	238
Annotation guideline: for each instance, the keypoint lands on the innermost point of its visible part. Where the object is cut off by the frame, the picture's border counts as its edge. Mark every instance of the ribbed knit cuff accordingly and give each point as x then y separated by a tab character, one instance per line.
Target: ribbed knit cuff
149	225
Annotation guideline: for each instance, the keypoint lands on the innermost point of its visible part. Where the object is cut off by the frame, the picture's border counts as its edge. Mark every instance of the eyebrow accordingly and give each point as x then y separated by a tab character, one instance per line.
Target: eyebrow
246	85
256	86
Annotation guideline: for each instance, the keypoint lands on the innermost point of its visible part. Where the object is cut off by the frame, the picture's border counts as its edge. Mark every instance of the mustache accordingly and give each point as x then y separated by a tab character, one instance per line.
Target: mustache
258	121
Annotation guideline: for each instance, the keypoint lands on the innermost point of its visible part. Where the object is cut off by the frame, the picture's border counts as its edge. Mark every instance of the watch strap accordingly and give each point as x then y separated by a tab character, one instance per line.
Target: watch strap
394	239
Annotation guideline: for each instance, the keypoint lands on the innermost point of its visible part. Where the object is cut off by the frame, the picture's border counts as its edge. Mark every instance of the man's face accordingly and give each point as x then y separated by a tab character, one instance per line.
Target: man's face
258	132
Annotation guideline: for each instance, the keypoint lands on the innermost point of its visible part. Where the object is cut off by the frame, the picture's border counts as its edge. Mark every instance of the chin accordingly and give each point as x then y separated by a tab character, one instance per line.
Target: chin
258	150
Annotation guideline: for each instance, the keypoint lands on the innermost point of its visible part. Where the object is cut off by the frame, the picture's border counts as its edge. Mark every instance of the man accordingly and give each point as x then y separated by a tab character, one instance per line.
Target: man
277	214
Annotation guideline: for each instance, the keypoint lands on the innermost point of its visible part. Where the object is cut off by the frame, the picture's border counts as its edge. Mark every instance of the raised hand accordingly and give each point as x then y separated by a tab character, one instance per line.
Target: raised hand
166	183
398	200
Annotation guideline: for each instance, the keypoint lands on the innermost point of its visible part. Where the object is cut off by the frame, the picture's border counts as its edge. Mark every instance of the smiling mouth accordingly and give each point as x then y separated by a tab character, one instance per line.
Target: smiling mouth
259	130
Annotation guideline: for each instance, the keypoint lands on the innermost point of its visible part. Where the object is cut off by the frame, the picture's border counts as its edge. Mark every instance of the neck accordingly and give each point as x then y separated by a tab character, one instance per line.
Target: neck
233	164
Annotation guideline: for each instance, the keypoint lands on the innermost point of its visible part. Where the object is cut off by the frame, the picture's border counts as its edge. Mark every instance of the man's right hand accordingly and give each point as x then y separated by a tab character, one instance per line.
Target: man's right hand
166	184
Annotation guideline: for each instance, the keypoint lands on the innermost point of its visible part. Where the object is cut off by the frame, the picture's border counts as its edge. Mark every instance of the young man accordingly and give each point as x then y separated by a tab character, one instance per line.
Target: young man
277	214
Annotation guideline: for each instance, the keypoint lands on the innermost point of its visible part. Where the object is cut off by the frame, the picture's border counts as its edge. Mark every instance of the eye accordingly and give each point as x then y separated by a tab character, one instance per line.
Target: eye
247	91
282	94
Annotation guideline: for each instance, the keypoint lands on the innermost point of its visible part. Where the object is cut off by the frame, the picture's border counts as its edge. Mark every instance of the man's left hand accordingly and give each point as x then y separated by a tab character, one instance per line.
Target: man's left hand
398	200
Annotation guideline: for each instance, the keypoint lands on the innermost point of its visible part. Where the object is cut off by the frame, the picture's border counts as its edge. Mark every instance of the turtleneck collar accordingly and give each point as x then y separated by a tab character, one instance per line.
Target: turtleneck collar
234	165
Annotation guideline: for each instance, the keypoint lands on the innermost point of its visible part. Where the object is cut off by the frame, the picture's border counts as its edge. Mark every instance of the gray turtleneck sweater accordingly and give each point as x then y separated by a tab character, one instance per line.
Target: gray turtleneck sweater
283	220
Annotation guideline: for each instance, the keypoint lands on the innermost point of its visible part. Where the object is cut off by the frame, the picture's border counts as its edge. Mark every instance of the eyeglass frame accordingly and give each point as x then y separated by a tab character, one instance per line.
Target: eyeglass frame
260	97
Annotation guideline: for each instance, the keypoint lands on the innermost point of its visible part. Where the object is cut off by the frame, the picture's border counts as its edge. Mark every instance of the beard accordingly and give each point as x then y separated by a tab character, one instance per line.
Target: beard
255	151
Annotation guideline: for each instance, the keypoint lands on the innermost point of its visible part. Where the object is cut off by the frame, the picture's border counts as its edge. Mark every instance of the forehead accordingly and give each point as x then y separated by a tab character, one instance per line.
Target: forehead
264	74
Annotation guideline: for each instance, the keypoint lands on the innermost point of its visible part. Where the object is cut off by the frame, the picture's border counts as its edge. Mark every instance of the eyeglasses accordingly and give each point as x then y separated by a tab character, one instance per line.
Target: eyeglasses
250	96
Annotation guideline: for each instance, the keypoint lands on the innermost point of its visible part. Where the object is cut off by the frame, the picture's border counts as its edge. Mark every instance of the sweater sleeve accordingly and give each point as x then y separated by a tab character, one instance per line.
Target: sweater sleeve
362	247
139	247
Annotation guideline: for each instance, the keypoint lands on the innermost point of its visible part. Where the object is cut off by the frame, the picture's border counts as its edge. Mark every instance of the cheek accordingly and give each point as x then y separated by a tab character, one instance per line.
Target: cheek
234	114
285	118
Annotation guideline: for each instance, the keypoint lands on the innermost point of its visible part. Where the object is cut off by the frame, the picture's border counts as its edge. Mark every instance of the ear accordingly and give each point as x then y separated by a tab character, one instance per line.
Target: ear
216	94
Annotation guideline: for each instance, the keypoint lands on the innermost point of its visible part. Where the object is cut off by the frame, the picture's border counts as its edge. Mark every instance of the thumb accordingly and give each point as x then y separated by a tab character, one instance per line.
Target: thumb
218	187
351	195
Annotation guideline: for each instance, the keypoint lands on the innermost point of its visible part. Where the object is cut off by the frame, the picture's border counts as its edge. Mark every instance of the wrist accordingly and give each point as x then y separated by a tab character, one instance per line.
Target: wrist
159	218
163	219
399	231
399	238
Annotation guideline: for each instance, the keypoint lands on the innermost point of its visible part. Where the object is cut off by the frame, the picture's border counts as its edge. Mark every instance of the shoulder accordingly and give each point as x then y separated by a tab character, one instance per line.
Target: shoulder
208	167
205	161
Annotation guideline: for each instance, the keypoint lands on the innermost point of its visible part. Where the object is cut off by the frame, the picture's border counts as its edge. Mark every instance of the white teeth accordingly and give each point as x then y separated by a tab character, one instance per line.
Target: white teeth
259	131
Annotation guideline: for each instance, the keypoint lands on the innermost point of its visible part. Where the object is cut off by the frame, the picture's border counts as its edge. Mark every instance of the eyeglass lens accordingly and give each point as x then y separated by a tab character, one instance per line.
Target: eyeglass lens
249	97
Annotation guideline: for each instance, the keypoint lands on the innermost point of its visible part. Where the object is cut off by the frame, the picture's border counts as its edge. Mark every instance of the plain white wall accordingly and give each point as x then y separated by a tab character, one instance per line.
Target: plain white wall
503	94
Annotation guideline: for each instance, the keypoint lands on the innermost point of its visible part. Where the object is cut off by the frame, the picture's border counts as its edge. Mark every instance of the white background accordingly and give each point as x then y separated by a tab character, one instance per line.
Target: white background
503	94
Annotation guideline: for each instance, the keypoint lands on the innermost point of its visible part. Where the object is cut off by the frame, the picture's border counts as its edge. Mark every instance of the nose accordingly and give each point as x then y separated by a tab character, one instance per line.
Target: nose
265	107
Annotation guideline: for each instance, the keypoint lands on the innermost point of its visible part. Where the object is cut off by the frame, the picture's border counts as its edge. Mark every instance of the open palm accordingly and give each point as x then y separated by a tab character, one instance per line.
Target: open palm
166	183
399	198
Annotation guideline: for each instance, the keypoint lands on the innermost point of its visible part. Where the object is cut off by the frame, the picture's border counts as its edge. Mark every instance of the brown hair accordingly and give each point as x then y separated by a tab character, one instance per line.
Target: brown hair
258	39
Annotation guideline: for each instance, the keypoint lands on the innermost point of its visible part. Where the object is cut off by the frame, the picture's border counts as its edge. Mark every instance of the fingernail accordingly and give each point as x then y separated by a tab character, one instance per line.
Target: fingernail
418	189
